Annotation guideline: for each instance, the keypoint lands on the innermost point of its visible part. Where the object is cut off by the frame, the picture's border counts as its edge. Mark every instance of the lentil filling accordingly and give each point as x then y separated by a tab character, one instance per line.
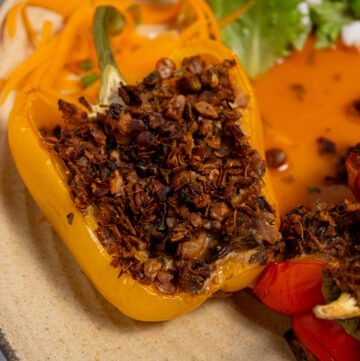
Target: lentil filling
170	176
332	230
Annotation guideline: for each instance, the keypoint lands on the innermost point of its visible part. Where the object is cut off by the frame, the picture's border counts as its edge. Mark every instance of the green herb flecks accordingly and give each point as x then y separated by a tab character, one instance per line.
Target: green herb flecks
87	65
89	79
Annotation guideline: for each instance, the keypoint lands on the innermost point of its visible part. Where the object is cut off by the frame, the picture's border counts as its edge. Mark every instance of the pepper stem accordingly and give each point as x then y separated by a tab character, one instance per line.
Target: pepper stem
108	21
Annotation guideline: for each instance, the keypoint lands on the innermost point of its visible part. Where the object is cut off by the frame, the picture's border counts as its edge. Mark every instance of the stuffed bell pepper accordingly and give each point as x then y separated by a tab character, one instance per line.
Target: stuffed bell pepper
159	190
330	328
318	284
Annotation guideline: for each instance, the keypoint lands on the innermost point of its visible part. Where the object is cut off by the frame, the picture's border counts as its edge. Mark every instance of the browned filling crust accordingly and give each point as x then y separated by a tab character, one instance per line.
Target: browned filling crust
331	230
171	178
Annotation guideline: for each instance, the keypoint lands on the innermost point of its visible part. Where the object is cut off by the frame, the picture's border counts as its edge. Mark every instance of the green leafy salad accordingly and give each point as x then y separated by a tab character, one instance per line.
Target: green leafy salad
272	29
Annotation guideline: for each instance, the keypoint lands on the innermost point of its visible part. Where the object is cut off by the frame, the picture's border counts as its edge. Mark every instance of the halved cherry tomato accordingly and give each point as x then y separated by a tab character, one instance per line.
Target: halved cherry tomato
291	287
326	340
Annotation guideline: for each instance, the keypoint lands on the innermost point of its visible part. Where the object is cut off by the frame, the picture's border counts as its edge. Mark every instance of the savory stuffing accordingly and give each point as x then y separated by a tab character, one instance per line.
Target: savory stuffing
170	176
333	231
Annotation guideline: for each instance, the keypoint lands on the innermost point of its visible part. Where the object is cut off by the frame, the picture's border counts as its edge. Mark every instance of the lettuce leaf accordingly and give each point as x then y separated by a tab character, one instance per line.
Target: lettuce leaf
328	18
269	30
355	8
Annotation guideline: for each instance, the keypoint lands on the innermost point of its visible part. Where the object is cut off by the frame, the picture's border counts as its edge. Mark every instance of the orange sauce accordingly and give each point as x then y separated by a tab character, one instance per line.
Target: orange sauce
308	97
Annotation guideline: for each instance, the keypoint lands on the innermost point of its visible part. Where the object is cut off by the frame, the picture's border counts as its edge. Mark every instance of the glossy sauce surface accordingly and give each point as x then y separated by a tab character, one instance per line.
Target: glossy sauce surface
307	97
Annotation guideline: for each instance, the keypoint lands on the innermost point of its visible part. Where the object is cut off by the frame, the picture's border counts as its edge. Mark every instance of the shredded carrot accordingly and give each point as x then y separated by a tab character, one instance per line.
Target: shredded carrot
74	68
28	26
68	85
86	51
67	38
35	77
159	14
191	32
120	5
64	8
82	44
26	67
12	17
213	24
202	23
236	14
46	32
56	57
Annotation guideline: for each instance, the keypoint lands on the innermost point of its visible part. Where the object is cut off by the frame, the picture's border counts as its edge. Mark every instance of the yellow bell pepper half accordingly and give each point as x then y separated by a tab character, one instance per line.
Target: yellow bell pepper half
44	176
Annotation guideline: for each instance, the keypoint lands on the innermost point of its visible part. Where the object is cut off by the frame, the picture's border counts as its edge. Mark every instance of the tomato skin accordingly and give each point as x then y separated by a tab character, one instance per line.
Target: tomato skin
291	287
326	340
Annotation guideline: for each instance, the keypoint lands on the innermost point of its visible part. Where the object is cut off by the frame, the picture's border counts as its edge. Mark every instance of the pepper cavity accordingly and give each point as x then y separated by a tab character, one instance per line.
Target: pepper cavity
170	176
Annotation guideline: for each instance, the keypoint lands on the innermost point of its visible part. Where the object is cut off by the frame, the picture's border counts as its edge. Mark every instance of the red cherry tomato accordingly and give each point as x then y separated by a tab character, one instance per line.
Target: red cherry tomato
326	340
291	287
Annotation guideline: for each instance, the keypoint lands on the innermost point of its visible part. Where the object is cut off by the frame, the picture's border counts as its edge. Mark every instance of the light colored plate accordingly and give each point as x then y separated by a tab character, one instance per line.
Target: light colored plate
50	311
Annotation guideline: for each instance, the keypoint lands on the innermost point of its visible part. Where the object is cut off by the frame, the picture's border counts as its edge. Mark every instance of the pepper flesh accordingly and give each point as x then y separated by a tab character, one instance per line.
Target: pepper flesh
46	180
